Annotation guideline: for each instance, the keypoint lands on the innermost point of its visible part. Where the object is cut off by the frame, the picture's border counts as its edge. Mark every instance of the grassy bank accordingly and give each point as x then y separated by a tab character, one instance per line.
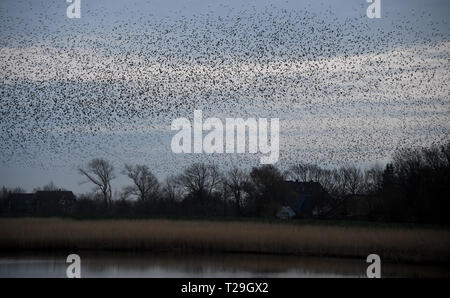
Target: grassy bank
395	244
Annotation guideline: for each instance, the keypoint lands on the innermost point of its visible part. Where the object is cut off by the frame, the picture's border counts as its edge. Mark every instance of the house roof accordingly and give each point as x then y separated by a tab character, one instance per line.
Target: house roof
54	195
54	192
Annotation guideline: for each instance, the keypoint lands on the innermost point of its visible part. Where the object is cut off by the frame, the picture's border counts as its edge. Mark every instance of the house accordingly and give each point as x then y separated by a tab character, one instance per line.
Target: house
285	212
307	199
41	202
52	202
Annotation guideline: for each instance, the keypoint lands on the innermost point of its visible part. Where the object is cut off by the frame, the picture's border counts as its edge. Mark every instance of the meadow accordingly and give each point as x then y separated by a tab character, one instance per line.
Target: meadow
397	244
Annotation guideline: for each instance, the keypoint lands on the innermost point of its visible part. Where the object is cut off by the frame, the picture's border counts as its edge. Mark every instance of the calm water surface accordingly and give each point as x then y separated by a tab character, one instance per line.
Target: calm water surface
190	266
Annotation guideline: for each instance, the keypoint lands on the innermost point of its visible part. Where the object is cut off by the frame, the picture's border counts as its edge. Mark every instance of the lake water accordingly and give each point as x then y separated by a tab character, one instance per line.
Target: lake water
190	266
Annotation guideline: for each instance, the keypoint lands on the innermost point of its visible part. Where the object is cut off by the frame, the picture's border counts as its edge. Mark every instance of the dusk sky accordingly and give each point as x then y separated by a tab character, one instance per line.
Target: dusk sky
347	89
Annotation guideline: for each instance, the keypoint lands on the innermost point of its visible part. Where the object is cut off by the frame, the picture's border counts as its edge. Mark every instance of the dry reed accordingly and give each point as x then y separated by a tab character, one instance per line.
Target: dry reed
395	244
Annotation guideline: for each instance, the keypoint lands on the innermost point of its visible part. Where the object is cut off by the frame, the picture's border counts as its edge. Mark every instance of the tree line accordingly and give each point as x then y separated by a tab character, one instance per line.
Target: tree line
413	187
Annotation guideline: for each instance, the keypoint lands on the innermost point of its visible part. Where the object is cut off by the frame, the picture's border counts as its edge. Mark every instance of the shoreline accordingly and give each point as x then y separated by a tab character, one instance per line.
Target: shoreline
9	253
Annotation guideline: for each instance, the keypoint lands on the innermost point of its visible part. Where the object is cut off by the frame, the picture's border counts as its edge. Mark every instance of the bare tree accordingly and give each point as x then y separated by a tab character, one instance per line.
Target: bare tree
304	172
100	172
236	182
172	190
352	179
200	179
373	179
445	150
326	179
267	190
145	184
49	187
298	172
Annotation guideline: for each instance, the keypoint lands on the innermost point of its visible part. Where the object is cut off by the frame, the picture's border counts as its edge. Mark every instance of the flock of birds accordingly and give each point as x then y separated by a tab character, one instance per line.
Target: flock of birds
344	92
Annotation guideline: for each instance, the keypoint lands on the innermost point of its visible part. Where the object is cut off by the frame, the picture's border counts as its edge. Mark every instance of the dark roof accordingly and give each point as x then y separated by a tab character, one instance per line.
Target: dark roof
57	193
53	196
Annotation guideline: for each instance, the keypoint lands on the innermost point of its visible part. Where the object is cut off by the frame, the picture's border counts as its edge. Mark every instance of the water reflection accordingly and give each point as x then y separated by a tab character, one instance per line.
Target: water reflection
190	266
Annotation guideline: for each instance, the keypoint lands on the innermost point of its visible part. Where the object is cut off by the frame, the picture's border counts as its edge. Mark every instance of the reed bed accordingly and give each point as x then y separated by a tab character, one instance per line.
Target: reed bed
189	236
